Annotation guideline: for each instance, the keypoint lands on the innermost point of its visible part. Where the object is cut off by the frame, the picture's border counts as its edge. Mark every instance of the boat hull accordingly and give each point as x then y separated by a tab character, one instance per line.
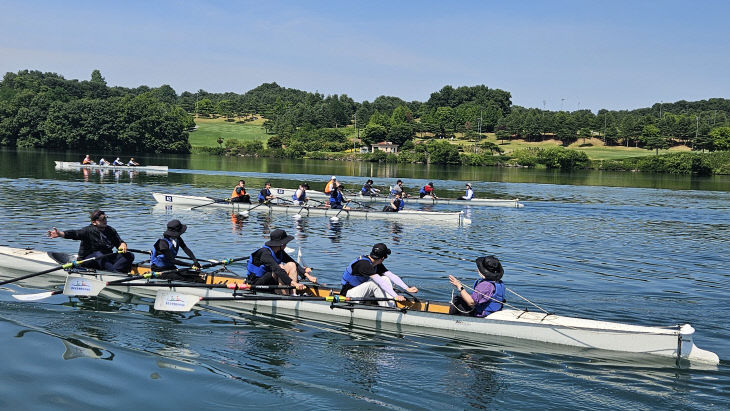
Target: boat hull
655	342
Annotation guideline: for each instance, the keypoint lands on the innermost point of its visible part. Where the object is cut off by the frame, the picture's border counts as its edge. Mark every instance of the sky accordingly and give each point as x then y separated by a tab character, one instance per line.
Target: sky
548	54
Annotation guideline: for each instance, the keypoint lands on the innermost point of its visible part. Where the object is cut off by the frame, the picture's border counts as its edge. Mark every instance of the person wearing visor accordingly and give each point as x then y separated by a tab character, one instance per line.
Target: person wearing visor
469	194
488	290
165	250
99	239
367	277
271	265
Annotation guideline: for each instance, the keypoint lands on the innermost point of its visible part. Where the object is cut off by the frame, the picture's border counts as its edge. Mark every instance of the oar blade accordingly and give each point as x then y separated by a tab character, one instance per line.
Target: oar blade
33	297
174	301
79	286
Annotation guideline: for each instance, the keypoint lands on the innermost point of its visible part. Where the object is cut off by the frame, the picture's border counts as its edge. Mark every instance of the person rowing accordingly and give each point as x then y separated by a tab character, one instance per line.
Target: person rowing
367	277
488	294
117	162
98	239
165	250
368	189
396	204
331	185
239	194
265	193
132	163
427	190
336	198
103	162
398	188
87	160
469	194
271	265
300	196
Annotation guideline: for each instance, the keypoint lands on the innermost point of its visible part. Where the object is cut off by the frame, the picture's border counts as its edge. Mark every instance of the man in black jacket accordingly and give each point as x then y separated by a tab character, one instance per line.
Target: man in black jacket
98	239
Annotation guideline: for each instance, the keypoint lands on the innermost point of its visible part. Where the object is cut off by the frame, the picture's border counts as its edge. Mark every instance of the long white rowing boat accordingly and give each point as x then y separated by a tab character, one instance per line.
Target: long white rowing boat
70	165
447	217
488	202
423	318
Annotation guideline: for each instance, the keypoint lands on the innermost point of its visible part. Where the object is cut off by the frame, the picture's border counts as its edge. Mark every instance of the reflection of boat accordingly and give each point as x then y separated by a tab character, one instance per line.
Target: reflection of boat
487	202
448	217
531	329
70	165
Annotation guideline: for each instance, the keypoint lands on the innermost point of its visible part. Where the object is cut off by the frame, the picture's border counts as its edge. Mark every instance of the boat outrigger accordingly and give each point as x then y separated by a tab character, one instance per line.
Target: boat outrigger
70	165
482	202
229	293
447	217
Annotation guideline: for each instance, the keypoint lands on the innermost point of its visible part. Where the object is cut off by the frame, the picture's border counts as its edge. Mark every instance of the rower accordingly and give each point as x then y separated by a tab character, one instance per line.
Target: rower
239	195
427	190
98	239
336	198
331	185
132	163
117	162
367	277
87	160
469	193
398	188
488	294
103	162
300	196
166	248
396	204
271	265
265	193
369	190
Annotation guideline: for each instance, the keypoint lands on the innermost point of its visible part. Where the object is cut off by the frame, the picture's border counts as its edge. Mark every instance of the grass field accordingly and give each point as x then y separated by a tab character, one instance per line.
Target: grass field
208	131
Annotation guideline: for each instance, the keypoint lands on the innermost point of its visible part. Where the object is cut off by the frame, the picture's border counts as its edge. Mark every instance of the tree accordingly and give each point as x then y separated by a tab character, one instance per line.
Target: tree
652	138
721	138
374	133
492	147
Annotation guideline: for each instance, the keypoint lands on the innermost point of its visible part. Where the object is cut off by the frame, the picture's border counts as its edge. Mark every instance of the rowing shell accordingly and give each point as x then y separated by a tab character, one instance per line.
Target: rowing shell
422	318
447	217
66	165
487	202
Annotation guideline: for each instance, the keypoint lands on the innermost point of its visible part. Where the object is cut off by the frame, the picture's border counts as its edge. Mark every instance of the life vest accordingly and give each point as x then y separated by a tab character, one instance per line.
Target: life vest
260	270
353	280
158	259
495	303
399	203
234	194
329	186
366	190
87	161
426	190
469	194
301	196
393	191
336	198
265	192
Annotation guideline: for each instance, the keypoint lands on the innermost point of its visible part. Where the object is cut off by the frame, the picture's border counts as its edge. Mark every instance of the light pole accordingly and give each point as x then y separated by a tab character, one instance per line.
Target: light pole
561	104
354	140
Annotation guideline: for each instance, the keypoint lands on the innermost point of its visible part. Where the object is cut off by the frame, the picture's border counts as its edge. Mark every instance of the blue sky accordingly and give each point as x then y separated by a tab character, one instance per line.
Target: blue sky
569	54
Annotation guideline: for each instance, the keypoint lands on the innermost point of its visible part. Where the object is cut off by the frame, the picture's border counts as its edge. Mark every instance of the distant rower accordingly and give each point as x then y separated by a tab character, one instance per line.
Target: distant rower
469	193
239	194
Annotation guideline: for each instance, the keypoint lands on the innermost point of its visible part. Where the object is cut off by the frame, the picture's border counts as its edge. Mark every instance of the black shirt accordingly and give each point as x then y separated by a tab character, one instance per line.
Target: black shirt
94	239
263	256
363	268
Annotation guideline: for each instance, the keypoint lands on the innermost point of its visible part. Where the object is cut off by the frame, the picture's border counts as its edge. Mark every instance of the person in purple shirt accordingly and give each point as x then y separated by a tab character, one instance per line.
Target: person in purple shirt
488	290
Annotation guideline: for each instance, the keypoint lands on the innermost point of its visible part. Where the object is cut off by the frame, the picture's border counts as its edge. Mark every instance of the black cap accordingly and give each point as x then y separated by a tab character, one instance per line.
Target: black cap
431	184
380	250
490	268
279	238
175	228
399	181
305	185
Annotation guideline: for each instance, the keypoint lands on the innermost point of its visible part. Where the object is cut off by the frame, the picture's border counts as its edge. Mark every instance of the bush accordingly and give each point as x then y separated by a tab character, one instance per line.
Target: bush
562	158
526	157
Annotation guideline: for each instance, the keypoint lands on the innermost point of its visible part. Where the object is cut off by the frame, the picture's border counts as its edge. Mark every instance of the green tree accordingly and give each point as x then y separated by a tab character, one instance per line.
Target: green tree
721	138
652	138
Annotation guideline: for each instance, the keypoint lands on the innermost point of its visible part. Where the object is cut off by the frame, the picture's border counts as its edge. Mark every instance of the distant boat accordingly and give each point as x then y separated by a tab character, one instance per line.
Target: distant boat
71	165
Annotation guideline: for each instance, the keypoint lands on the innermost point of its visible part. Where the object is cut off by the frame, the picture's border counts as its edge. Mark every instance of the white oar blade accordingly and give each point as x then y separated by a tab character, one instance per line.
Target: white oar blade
82	286
174	301
288	250
32	297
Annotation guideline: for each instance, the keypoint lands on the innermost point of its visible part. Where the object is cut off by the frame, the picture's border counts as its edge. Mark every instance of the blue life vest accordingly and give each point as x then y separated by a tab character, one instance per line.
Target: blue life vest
365	190
262	197
354	280
423	190
301	197
158	259
495	303
467	196
260	270
400	203
336	199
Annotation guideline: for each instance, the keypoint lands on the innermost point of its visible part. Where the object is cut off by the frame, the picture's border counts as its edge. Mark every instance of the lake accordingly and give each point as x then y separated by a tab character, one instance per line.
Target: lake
635	248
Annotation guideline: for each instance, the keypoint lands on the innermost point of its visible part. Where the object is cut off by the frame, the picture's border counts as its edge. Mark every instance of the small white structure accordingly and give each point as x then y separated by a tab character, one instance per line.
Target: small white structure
386	146
364	149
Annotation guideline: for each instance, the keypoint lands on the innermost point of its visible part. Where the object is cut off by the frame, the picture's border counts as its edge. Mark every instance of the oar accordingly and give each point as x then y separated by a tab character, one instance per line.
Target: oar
60	267
362	205
207	204
245	212
298	215
134	250
335	219
181	302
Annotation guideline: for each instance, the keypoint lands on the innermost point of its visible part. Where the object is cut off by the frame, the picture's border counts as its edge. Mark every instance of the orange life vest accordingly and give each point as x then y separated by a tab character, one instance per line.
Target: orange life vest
328	188
234	194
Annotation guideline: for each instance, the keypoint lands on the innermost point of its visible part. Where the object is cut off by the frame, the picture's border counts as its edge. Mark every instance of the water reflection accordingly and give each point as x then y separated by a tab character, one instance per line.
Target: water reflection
396	229
334	231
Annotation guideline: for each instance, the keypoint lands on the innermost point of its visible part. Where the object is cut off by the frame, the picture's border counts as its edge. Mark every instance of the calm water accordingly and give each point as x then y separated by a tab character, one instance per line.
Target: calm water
628	247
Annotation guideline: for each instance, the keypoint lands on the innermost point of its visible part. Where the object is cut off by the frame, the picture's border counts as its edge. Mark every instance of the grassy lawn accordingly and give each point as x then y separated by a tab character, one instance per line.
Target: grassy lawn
210	129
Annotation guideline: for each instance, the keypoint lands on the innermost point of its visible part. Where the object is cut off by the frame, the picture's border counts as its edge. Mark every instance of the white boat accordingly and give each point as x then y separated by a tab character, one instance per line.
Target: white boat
70	165
421	318
447	217
482	202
